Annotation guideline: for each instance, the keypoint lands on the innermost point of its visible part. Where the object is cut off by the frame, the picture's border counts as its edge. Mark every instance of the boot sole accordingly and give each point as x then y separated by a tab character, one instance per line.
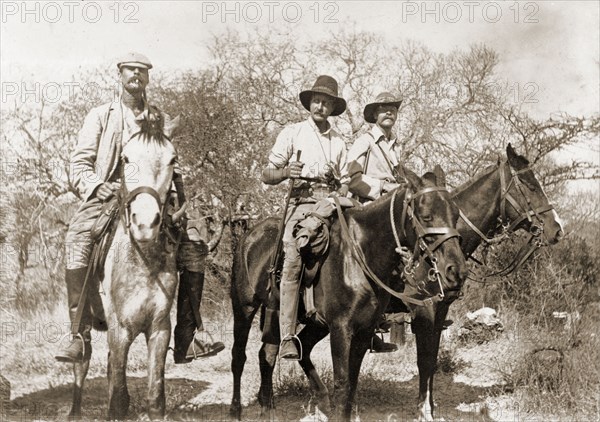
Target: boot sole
211	352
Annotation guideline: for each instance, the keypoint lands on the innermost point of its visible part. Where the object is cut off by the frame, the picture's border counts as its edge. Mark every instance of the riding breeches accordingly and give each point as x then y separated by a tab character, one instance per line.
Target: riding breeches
78	241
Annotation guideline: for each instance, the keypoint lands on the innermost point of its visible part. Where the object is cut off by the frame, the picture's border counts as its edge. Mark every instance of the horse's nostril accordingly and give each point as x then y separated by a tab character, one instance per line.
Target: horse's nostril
454	274
451	272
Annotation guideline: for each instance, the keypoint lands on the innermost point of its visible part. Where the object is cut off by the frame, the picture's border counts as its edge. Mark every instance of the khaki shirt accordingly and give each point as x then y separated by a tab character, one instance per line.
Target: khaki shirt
368	167
317	150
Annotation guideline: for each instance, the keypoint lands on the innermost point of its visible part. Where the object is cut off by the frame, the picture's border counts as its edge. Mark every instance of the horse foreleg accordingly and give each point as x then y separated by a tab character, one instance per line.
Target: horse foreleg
158	343
80	370
358	348
241	329
267	357
427	351
119	341
309	337
341	338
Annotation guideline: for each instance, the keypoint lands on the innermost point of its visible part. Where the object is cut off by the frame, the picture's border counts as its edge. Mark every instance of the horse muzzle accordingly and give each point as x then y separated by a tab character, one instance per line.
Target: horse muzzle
144	232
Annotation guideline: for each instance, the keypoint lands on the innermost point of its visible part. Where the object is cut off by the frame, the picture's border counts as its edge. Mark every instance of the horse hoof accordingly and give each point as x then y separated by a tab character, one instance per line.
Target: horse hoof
235	412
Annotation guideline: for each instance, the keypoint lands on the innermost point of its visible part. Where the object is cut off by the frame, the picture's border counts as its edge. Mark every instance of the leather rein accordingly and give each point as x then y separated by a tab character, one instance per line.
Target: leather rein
421	248
536	230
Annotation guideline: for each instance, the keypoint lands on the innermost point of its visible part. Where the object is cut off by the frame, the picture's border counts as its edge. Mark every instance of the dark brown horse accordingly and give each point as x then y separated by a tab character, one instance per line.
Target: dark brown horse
348	301
503	198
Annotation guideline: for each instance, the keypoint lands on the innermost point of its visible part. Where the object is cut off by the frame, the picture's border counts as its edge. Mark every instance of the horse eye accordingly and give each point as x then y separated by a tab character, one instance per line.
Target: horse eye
172	162
125	159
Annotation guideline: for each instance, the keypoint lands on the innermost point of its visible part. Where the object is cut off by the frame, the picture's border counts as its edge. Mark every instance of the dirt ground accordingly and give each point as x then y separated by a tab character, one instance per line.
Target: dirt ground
202	390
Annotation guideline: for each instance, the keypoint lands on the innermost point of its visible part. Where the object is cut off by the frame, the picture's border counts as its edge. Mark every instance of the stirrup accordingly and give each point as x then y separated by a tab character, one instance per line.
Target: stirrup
371	349
293	337
204	353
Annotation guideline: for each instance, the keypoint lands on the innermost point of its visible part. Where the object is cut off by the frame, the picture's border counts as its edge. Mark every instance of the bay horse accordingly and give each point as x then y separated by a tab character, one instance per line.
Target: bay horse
140	274
503	198
348	302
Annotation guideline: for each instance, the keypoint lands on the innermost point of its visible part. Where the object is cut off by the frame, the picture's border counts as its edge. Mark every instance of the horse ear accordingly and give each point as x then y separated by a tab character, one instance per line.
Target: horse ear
440	176
516	161
171	126
414	182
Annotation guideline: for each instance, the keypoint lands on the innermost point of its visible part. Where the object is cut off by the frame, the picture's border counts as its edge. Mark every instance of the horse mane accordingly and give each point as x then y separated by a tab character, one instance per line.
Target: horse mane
157	126
475	179
373	206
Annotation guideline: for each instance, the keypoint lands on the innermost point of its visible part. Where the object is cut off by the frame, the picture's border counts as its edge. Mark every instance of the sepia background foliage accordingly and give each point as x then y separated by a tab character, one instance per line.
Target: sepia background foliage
456	111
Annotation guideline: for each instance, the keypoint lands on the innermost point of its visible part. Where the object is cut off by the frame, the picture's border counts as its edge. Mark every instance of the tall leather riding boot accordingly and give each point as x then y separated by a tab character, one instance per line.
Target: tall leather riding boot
288	310
189	320
80	347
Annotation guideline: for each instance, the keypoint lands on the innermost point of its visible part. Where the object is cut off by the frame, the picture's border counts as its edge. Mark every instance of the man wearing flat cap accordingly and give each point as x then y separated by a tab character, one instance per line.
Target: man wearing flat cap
313	156
373	156
95	172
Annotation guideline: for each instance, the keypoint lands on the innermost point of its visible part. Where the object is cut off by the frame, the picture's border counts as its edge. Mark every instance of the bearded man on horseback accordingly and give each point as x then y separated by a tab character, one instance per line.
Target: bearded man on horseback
96	172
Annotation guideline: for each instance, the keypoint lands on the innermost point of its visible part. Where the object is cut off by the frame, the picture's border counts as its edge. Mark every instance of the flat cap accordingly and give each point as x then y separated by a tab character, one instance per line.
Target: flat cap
134	59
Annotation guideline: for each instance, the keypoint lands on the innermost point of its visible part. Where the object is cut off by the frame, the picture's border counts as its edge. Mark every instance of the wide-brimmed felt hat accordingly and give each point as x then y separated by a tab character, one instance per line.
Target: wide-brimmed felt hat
134	59
324	84
384	98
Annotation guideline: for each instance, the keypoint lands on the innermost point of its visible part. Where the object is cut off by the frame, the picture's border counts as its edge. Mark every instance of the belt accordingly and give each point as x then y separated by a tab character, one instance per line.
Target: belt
316	191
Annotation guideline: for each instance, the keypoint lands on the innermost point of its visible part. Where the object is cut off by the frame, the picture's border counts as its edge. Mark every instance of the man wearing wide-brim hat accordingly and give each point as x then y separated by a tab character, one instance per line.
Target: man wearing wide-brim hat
95	174
373	156
313	155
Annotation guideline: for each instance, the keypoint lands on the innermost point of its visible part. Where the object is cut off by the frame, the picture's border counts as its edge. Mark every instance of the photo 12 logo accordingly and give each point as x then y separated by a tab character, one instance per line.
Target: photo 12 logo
269	12
469	11
69	11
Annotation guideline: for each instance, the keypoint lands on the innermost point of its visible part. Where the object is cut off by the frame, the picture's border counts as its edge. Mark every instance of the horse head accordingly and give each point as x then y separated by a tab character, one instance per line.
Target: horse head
433	226
529	206
148	162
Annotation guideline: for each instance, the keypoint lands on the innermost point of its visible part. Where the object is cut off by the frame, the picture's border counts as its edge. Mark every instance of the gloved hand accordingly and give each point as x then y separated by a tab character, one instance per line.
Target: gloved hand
106	190
388	186
342	191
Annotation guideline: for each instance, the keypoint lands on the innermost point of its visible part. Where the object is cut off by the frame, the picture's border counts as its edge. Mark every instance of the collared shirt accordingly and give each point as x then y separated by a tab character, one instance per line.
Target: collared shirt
370	162
317	150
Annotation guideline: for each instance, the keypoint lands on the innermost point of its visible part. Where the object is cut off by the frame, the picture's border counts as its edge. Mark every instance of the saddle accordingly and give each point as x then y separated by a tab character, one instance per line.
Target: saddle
102	233
312	241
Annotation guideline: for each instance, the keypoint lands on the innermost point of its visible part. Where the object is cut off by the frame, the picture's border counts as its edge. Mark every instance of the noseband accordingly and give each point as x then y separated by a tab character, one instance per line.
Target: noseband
130	197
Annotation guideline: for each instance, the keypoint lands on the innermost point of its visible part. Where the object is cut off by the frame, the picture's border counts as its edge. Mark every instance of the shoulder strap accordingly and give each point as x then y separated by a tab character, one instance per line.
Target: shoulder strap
385	157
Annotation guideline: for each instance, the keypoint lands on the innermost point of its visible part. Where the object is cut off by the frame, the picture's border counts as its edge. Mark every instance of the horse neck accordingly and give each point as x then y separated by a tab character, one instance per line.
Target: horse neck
371	227
479	200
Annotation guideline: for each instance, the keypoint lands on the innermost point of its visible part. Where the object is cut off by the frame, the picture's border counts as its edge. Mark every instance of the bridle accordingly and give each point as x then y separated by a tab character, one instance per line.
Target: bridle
125	200
507	226
421	250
